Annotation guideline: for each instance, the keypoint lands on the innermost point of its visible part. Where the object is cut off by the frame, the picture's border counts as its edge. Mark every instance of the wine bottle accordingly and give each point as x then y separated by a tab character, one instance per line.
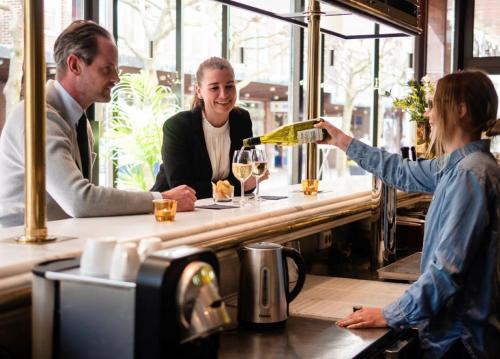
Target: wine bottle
290	134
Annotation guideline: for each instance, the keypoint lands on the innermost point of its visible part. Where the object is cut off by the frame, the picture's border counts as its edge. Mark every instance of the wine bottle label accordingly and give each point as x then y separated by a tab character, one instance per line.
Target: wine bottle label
308	136
250	142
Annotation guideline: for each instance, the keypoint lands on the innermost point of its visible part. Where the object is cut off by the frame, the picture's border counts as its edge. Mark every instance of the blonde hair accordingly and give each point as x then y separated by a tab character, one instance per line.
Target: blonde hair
212	63
472	89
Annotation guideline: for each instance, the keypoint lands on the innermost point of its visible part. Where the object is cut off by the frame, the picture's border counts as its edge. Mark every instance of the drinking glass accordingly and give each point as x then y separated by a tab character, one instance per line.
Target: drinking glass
165	209
310	187
259	168
242	169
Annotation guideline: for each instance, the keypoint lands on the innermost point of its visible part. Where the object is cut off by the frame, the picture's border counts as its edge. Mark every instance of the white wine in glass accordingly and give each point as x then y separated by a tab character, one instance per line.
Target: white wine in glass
242	169
259	168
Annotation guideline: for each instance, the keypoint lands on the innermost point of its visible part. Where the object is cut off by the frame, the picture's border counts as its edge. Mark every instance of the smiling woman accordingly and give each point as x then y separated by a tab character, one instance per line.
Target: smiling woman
198	144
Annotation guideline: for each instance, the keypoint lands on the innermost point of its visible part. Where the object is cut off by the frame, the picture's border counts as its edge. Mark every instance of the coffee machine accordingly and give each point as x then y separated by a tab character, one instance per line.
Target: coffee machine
172	310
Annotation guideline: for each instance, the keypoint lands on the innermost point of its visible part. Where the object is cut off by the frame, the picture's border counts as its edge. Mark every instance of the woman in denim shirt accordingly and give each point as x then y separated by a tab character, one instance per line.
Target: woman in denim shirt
455	303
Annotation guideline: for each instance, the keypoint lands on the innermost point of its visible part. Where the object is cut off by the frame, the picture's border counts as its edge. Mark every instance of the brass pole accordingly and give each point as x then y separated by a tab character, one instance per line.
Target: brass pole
313	80
35	229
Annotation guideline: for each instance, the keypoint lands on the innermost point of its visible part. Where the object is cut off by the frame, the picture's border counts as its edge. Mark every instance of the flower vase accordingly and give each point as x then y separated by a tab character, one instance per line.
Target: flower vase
423	139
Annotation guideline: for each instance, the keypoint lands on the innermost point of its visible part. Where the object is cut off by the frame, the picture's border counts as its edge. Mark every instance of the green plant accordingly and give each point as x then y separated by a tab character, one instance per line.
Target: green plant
417	101
140	107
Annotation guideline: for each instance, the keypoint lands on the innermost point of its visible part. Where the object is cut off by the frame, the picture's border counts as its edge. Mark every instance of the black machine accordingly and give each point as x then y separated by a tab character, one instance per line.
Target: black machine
172	310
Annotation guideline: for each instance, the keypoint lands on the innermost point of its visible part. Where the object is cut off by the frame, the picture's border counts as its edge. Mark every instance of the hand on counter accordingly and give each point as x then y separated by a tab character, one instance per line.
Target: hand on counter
364	318
335	136
184	195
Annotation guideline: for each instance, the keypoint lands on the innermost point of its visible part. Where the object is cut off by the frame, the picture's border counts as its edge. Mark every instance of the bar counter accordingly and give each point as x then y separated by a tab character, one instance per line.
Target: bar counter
274	220
223	230
306	338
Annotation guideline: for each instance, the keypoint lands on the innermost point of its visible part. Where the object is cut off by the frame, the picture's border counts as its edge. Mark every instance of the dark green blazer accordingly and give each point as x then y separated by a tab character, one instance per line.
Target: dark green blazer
185	156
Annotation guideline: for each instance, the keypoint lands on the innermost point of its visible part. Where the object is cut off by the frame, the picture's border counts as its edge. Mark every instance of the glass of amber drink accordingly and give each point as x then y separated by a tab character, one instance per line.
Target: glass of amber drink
310	187
165	209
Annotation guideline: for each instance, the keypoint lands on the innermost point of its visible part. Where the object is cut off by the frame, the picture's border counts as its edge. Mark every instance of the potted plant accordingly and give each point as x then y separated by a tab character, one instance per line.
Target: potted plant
140	106
416	104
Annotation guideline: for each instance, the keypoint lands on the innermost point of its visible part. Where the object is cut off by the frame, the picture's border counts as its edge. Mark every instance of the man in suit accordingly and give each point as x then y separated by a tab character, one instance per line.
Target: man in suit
86	63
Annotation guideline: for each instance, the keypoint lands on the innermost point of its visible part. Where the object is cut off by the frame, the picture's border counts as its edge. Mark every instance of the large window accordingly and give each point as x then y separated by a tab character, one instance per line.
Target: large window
486	29
259	49
396	69
495	145
58	15
478	44
347	100
170	48
203	27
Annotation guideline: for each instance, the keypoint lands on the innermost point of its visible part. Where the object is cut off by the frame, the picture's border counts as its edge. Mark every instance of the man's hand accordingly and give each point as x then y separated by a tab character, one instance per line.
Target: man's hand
334	136
364	318
184	195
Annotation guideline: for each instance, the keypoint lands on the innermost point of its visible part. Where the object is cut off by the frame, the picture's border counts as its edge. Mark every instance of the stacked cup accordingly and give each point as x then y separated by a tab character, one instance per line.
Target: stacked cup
125	262
104	257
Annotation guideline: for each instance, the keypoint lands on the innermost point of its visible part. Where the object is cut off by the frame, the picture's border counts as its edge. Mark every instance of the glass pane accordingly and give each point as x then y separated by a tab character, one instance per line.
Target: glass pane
347	103
396	69
346	23
486	29
150	42
203	28
495	143
276	6
259	50
131	125
58	15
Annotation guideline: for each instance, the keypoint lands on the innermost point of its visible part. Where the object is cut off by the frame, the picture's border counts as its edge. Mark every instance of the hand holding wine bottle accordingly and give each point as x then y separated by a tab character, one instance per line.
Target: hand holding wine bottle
334	136
290	134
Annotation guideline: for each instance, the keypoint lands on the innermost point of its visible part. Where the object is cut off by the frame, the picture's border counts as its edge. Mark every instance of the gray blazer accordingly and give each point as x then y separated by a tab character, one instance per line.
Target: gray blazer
69	194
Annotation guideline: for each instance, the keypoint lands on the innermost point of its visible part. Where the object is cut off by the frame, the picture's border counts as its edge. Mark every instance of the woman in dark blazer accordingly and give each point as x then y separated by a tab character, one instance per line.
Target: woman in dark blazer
198	145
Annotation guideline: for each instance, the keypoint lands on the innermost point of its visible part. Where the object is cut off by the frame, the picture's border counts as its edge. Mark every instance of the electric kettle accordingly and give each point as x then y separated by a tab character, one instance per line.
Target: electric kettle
264	284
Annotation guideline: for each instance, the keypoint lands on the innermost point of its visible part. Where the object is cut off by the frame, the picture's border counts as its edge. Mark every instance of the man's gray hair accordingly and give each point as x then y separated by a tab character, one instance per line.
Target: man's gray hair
80	39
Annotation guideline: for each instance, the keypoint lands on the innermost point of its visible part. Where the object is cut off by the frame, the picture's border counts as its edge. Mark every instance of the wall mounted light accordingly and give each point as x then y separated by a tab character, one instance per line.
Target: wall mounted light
151	49
242	55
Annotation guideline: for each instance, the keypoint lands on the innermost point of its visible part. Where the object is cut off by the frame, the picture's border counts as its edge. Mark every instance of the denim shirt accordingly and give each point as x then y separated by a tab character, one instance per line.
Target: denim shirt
457	296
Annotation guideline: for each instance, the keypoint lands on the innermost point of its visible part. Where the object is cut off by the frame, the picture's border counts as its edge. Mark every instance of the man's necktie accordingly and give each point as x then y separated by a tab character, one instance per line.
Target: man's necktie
83	145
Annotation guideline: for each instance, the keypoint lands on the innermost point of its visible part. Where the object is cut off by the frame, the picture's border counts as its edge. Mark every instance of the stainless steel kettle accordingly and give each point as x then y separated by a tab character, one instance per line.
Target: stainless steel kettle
264	285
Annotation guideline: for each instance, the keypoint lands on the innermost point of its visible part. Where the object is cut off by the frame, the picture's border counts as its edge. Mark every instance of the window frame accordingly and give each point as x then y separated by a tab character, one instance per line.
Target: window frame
464	40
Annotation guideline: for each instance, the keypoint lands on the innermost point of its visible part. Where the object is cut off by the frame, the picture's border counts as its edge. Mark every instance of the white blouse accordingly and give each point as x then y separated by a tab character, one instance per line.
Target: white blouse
218	146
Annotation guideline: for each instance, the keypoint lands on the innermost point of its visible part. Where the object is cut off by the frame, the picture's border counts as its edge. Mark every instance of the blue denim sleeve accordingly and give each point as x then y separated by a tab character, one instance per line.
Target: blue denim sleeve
408	176
464	219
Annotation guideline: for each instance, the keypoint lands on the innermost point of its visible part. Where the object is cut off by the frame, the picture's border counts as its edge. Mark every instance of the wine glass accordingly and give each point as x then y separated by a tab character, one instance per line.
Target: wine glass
259	168
242	169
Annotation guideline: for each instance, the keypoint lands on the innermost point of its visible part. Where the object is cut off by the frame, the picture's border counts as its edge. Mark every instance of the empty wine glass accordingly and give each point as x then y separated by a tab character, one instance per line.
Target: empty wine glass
259	168
242	169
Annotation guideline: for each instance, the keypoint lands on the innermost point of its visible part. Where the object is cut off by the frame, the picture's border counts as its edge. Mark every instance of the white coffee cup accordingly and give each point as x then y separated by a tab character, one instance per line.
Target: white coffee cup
125	262
96	256
148	245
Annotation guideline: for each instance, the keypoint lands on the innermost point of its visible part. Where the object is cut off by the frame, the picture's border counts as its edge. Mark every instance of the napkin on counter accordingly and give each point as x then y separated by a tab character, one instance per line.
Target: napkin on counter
216	206
273	197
